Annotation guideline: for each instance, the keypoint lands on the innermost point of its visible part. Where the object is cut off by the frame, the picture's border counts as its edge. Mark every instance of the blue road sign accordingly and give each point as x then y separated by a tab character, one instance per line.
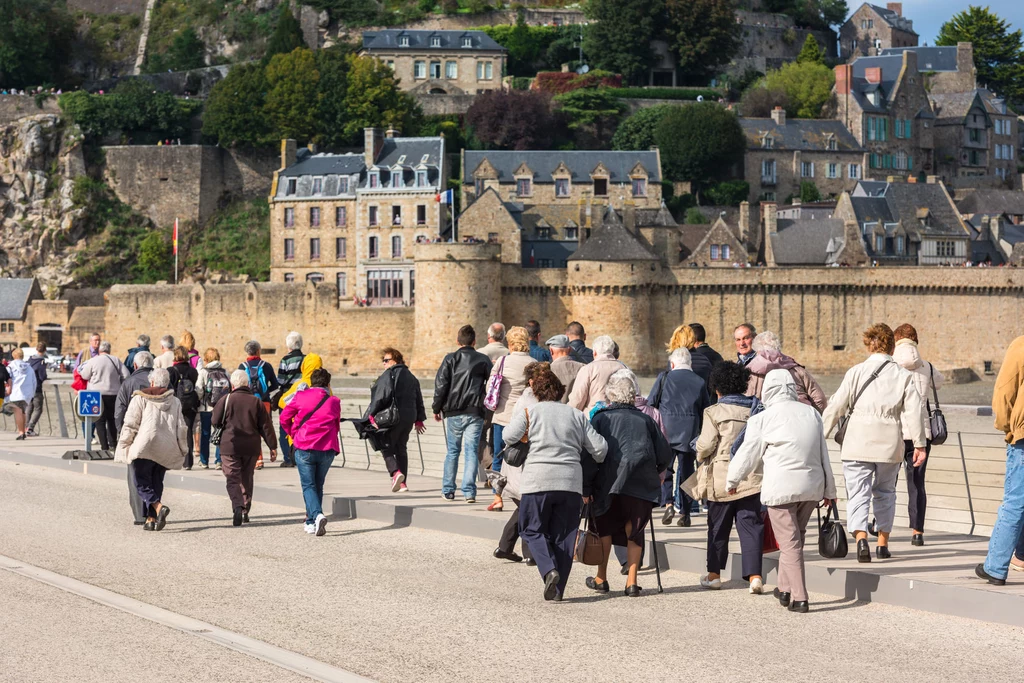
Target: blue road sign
89	404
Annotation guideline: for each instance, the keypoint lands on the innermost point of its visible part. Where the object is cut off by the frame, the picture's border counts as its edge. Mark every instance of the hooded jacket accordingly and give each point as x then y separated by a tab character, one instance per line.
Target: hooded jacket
808	391
203	378
137	381
723	422
23	381
38	364
637	454
925	378
153	429
787	443
310	363
318	431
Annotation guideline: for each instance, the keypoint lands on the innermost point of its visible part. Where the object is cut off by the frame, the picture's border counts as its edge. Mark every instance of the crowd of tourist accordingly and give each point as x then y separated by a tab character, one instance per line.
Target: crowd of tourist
742	440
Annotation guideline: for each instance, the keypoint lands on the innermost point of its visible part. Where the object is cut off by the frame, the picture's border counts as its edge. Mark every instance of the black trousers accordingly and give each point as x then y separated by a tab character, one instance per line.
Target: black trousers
396	454
190	422
106	430
510	534
746	512
917	502
548	522
134	499
149	482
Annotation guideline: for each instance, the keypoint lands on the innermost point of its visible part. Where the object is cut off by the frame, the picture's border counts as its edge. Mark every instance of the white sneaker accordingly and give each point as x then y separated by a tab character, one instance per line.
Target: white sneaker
714	585
320	525
756	586
309	528
397	481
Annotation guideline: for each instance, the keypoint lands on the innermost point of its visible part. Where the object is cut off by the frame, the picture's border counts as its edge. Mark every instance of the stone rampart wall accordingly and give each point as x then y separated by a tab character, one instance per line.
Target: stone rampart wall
14	107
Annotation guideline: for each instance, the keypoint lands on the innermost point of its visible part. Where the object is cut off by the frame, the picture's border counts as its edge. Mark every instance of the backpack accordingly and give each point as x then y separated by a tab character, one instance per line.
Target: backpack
218	384
185	391
259	382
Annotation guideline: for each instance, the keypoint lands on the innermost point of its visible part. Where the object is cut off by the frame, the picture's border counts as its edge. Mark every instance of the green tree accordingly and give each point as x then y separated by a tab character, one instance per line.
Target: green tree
35	42
332	63
810	52
293	96
155	260
637	131
702	33
619	39
592	112
287	34
187	51
695	217
807	85
374	99
809	192
998	51
728	193
234	110
700	142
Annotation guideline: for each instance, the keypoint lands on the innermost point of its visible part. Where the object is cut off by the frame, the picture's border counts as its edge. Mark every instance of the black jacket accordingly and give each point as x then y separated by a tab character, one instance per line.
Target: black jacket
637	454
38	364
398	382
579	352
707	352
136	381
461	382
681	402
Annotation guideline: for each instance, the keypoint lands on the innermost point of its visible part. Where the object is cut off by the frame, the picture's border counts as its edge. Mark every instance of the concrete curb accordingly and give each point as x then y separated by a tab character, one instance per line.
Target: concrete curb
847	583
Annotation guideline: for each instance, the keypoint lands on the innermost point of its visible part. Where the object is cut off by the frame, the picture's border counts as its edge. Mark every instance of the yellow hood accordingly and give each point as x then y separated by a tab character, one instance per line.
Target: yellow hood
310	363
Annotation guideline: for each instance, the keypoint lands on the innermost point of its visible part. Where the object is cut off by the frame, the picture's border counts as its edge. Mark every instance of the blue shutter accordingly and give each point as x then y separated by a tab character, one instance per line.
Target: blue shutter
910	163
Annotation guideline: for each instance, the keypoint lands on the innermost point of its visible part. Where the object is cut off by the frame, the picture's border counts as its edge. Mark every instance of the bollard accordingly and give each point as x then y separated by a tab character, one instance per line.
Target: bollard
967	483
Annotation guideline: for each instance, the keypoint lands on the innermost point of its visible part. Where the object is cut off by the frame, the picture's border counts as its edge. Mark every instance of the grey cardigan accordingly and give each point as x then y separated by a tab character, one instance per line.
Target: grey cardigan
558	436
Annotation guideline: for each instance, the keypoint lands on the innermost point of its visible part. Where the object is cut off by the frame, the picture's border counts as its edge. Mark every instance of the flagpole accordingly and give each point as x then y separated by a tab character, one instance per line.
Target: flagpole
175	251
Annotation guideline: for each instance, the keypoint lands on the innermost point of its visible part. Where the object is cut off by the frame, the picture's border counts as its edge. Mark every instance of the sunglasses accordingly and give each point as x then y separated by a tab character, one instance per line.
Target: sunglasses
386	360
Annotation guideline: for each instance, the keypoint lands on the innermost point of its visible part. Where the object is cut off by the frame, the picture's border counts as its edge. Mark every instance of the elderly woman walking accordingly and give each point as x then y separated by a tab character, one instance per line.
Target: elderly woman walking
786	441
242	418
513	383
399	387
768	356
153	440
880	399
740	504
628	483
311	420
552	484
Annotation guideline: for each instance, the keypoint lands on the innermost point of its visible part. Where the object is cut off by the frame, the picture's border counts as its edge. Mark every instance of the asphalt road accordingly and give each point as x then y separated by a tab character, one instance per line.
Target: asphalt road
404	604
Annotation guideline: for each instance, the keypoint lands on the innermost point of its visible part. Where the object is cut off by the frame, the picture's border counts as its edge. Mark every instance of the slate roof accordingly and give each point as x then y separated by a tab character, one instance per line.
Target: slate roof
612	242
556	216
935	58
893	19
891	66
579	162
691	235
807	242
802	134
325	164
993	202
952	108
388	39
15	294
655	218
901	201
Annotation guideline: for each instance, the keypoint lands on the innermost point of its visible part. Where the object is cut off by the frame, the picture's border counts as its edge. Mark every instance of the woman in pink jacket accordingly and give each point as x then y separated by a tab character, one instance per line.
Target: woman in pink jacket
311	420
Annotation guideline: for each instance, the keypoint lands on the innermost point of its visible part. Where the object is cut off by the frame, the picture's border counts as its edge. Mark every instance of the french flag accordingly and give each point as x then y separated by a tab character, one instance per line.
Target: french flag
446	197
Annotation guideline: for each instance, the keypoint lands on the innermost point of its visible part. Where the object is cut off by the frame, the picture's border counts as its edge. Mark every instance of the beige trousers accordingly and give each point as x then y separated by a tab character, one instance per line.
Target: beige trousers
789	522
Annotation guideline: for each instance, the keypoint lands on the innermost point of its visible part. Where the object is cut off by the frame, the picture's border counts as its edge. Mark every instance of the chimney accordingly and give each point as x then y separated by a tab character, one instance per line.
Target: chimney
985	230
288	149
896	7
629	216
911	179
965	61
996	229
932	180
779	116
392	132
797	201
844	77
744	222
771	218
311	147
873	74
373	141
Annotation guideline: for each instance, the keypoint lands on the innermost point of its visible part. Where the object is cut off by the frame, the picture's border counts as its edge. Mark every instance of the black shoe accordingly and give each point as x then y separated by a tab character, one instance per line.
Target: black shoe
863	551
593	585
148	526
448	496
510	556
783	597
798	606
633	591
625	570
551	580
982	574
161	518
684	521
245	516
670	513
19	437
917	539
530	562
872	529
187	468
237	519
882	552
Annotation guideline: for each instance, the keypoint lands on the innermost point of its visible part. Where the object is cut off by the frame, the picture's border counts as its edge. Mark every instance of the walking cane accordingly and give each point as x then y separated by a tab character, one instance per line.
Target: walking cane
654	549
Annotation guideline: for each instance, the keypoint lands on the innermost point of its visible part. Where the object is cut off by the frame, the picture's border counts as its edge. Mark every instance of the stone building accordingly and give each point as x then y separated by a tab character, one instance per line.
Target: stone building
439	62
883	102
976	136
781	154
65	324
947	68
805	238
352	219
1005	203
872	29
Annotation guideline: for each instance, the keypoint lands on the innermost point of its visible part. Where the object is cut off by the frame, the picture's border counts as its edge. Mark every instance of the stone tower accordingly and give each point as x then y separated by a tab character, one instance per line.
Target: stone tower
610	279
456	284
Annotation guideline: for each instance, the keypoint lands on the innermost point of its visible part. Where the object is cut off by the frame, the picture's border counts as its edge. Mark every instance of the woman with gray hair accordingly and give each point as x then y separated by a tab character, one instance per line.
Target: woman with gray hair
242	419
153	440
628	483
588	389
768	356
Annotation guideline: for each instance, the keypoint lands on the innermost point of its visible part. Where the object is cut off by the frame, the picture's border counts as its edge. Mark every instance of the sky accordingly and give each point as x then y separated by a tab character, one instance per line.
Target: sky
929	15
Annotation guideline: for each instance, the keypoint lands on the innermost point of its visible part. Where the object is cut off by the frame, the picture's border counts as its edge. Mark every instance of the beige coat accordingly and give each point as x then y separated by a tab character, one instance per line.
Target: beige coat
875	430
512	384
722	424
925	377
164	360
494	350
153	430
591	382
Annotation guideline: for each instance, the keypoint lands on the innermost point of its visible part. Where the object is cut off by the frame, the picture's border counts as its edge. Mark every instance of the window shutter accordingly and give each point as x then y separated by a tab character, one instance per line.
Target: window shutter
910	163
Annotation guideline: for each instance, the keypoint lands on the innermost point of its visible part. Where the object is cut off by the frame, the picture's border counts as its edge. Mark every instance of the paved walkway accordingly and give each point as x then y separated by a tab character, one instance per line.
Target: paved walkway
937	578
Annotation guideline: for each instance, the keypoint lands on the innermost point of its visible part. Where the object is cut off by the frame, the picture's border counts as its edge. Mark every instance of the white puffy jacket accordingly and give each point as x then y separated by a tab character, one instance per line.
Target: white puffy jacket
925	377
788	439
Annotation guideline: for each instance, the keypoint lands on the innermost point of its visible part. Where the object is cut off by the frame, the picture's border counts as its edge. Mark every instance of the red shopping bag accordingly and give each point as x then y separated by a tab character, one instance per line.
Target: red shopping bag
770	545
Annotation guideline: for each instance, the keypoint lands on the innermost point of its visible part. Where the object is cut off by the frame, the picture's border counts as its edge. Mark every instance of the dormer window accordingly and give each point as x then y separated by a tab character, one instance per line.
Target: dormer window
318	185
374	181
292	185
421	178
831	144
600	187
403	41
343	185
561	187
435	41
397	178
767	142
467	41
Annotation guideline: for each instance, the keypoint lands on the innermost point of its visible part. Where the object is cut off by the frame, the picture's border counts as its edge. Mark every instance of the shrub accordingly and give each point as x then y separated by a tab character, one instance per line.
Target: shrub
728	193
695	217
558	82
668	93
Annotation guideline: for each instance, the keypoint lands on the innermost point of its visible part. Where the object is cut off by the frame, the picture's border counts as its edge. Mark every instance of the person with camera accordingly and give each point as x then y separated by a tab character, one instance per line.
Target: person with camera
787	443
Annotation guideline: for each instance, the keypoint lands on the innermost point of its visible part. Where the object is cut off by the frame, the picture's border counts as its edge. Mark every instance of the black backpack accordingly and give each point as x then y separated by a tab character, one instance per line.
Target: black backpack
185	392
218	385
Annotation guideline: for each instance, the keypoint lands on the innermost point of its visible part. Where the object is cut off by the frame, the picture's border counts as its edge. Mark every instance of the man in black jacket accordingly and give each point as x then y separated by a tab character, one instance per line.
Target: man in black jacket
459	396
35	406
578	343
702	349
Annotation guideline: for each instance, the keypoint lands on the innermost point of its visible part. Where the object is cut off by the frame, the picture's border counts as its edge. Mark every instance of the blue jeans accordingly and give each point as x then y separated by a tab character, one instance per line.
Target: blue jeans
1006	534
313	466
684	465
496	431
284	446
463	433
205	422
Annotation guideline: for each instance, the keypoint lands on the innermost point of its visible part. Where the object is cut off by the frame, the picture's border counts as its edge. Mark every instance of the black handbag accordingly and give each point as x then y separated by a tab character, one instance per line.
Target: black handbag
514	455
217	431
388	417
936	420
831	535
844	421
